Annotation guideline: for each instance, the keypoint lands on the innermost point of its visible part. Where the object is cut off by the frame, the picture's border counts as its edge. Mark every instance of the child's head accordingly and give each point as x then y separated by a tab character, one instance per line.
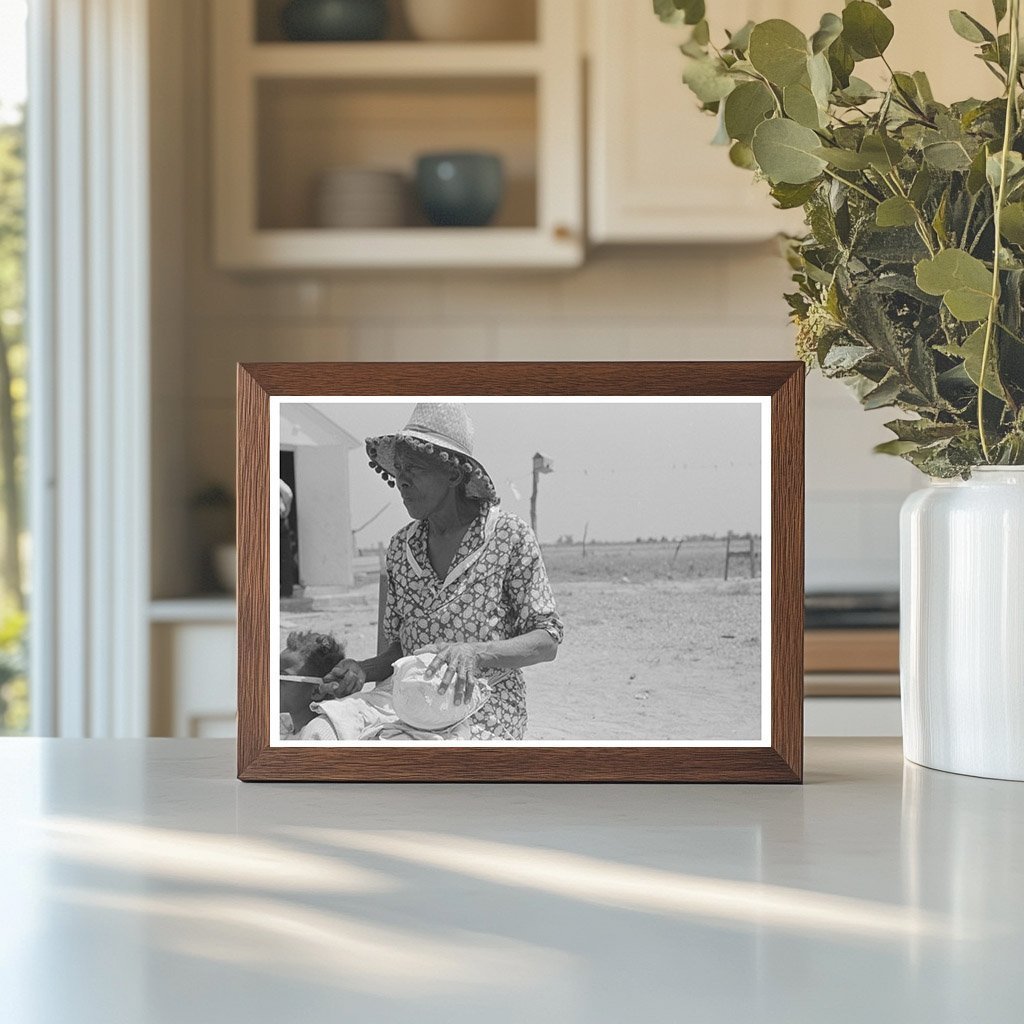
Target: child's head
310	654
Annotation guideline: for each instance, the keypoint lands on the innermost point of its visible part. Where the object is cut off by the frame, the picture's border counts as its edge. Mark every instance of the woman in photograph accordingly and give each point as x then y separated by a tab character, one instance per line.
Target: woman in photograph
466	582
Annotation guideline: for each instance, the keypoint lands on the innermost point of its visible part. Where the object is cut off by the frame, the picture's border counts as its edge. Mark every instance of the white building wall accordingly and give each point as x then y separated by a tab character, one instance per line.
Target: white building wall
324	519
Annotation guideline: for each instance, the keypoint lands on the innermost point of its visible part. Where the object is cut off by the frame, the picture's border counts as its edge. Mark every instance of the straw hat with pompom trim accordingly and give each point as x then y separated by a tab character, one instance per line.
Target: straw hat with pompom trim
442	430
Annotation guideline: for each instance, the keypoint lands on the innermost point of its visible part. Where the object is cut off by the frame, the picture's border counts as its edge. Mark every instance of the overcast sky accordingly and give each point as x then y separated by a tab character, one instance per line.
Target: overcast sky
627	469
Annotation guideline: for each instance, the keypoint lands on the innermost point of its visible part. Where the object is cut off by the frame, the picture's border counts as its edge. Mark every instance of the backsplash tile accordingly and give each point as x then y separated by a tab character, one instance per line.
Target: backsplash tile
718	302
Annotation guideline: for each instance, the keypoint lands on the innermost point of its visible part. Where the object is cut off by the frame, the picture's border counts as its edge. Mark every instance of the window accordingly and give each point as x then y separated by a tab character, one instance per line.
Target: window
14	548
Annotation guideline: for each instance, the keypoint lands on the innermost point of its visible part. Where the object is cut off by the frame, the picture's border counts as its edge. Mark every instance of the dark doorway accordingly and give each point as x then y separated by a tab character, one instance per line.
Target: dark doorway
290	574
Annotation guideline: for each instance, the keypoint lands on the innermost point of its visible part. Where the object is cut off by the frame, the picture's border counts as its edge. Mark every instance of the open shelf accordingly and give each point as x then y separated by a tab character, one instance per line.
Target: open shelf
519	16
287	113
406	248
307	127
393	60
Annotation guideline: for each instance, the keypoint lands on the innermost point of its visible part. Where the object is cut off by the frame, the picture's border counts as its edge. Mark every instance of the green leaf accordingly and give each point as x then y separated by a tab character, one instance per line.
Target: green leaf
896	212
923	431
885	394
963	281
800	105
976	175
939	220
971	352
739	41
779	51
676	12
1014	169
946	156
859	91
844	159
895	447
999	7
968	28
1011	226
745	108
866	29
906	88
668	11
841	60
830	28
694	11
701	33
785	152
924	88
883	153
921	185
742	155
707	80
820	76
789	197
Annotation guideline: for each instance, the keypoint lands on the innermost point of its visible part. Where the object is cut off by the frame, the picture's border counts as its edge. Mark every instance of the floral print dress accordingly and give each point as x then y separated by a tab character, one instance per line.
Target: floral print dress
496	588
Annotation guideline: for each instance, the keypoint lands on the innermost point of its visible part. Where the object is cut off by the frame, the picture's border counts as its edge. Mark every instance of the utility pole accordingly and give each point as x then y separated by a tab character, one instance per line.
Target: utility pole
541	464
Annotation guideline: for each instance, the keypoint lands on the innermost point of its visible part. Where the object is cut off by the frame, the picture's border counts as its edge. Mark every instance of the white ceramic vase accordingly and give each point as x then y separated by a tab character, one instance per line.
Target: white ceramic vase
962	624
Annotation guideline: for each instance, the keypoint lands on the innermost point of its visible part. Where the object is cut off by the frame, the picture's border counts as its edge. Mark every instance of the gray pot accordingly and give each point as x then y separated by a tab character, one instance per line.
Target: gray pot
334	20
460	189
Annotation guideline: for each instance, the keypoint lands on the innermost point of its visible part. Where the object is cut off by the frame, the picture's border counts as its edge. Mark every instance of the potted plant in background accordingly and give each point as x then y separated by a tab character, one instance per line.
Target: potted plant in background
214	509
909	285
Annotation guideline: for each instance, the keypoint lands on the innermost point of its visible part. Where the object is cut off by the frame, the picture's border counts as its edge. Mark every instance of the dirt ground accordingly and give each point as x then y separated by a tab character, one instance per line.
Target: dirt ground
654	648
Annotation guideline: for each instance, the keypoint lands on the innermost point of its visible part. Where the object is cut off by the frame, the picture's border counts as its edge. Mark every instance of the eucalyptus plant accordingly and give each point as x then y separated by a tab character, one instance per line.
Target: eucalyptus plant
909	279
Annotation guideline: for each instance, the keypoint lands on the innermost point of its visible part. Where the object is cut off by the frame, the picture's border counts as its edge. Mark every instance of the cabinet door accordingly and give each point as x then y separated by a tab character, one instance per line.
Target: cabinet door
653	174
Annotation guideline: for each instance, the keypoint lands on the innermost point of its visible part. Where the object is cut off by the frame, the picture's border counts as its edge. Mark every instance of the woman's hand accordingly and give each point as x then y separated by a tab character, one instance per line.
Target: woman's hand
346	678
455	662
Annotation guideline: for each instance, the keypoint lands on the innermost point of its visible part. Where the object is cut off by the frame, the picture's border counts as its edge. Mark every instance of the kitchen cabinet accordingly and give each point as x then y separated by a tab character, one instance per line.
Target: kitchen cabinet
193	673
286	113
653	175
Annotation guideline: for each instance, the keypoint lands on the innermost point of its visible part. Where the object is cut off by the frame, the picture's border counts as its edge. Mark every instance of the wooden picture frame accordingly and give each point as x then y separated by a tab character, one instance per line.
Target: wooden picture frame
777	757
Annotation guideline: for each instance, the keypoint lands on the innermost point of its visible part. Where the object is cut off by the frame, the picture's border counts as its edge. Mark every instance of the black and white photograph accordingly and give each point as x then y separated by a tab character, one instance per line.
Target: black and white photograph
562	571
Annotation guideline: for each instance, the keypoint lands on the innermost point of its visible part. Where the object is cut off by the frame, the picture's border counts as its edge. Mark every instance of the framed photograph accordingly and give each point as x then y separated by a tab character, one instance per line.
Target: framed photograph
513	572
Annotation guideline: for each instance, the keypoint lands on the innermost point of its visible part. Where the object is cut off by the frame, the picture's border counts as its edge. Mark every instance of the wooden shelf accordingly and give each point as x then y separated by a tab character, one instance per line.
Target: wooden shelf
401	247
393	60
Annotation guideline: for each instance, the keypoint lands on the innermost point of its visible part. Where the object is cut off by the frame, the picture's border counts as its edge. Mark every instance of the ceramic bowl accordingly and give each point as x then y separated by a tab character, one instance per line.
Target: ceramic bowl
417	702
460	189
358	197
334	20
470	20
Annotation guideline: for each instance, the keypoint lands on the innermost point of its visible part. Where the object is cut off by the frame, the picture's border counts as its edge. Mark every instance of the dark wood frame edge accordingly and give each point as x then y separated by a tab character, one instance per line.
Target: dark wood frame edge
781	762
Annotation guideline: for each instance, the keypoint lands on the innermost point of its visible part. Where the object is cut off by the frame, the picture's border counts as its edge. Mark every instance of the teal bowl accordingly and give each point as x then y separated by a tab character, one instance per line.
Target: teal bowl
461	190
332	21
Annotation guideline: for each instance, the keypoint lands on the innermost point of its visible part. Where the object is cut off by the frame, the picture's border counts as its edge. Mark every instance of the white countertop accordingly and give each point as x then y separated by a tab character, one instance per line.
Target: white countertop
145	885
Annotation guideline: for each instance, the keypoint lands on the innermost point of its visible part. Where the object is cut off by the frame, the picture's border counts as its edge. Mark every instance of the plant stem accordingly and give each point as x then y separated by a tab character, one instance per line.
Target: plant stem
967	221
850	184
993	309
981	231
768	85
908	101
922	225
1012	334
